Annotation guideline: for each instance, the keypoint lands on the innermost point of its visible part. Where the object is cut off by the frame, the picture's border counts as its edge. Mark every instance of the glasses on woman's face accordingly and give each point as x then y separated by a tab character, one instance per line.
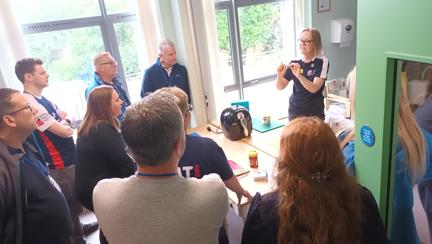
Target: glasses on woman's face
304	41
21	109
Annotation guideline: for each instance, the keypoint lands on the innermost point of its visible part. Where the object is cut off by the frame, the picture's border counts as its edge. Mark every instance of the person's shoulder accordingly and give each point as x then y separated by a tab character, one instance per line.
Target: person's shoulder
210	180
104	126
153	67
91	86
180	67
108	185
270	199
428	138
29	97
321	59
204	145
200	140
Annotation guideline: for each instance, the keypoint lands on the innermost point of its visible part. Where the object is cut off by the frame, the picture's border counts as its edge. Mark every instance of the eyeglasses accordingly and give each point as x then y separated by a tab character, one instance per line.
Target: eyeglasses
21	109
110	63
305	41
189	107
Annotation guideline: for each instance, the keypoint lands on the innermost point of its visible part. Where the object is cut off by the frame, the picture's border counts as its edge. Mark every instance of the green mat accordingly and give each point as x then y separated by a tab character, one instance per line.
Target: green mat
258	125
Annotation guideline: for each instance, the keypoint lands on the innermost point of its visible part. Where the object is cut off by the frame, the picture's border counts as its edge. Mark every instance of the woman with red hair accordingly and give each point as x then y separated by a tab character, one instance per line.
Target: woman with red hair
315	201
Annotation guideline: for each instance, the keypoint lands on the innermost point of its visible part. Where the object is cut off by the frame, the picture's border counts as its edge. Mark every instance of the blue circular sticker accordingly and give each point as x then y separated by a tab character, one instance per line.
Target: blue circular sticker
367	135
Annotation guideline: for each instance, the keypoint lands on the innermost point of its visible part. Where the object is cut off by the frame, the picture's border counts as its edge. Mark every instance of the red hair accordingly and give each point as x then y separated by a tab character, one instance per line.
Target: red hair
318	201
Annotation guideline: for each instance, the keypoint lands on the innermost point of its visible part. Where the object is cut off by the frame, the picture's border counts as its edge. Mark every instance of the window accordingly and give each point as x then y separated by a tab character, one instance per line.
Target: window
66	36
254	38
50	10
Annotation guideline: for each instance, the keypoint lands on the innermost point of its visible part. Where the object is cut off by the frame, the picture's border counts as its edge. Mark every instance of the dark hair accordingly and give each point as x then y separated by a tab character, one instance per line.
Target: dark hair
98	110
152	127
6	105
25	66
318	201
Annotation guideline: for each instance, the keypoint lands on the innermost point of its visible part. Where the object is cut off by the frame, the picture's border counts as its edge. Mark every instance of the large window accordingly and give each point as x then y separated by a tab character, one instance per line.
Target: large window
67	35
254	38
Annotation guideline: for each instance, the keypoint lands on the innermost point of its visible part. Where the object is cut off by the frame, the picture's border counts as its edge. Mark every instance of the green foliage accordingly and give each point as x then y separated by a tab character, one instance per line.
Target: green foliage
66	54
257	27
222	29
127	46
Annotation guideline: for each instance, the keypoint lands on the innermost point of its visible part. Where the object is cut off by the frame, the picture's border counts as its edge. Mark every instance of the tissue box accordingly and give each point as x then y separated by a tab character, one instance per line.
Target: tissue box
260	175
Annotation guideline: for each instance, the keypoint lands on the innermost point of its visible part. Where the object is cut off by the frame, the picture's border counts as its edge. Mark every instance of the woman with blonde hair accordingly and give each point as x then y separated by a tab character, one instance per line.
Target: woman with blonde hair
308	74
413	165
315	201
101	151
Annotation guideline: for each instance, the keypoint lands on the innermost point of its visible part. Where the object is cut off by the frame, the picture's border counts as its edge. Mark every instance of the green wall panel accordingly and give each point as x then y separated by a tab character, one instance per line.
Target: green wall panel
387	30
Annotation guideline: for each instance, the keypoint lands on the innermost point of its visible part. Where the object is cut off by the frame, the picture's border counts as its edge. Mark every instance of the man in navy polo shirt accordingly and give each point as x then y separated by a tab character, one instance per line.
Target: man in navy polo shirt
166	72
53	136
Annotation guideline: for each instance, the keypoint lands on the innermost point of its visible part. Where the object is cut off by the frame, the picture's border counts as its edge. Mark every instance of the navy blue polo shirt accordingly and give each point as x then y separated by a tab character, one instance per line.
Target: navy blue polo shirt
302	102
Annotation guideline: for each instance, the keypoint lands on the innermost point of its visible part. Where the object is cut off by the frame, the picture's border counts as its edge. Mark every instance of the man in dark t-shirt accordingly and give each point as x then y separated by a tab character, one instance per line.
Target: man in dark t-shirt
202	155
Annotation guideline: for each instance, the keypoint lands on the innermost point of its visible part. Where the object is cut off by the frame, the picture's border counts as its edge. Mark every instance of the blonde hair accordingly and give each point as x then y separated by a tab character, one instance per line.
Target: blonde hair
316	36
351	79
411	135
180	94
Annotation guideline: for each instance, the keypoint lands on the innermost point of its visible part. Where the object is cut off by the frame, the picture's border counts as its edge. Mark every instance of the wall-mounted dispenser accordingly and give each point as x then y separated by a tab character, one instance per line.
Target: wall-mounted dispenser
342	31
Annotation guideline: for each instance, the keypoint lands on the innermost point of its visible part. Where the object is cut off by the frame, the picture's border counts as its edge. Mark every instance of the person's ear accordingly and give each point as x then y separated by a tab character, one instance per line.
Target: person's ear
180	144
28	76
9	120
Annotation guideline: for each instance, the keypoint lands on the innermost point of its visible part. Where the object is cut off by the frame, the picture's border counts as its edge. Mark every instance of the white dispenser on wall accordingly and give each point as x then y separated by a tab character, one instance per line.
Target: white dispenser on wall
342	31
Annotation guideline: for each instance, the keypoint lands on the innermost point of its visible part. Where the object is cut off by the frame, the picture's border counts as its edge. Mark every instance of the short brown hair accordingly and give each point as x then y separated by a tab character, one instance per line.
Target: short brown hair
6	105
25	66
98	109
152	127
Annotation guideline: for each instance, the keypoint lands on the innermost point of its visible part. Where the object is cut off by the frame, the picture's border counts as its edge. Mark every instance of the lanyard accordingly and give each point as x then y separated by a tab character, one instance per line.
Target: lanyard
156	174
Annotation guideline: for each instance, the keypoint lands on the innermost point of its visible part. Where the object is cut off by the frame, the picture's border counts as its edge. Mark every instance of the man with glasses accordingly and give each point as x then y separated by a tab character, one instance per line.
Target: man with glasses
32	208
53	137
166	72
106	74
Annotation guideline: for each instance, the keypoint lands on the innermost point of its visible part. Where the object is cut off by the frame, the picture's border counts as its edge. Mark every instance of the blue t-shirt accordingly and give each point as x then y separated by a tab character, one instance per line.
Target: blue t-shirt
203	156
302	102
59	152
